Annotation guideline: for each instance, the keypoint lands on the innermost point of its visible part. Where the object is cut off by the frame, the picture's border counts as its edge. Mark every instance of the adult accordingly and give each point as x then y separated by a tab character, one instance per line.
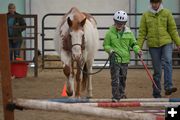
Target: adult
15	34
159	28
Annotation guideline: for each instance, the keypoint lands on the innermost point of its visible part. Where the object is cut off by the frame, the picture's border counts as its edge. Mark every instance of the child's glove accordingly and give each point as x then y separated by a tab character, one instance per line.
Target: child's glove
111	51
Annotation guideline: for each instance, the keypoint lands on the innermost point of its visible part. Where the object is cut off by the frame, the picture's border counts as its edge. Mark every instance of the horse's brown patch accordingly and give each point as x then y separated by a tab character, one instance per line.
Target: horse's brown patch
66	70
67	44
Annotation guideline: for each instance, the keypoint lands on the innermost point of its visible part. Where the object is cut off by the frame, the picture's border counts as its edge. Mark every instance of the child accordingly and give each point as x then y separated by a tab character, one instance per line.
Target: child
118	41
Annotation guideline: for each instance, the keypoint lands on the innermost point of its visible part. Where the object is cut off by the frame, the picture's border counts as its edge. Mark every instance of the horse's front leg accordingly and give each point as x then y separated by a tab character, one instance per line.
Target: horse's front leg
68	71
78	80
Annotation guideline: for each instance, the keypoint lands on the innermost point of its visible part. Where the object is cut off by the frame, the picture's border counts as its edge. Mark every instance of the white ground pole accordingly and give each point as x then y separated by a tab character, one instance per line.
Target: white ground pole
82	109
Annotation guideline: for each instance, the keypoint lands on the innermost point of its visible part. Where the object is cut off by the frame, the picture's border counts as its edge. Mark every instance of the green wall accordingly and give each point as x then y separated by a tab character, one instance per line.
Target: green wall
20	5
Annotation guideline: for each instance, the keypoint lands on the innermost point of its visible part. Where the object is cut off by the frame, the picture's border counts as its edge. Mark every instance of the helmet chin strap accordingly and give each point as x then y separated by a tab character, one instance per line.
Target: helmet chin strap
120	28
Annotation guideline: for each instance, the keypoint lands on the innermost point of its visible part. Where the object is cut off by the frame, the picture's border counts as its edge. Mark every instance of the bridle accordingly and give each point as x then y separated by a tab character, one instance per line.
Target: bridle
67	42
82	45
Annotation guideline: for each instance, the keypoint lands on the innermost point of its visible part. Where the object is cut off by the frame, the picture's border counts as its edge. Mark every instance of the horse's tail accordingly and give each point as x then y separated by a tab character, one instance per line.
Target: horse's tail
84	77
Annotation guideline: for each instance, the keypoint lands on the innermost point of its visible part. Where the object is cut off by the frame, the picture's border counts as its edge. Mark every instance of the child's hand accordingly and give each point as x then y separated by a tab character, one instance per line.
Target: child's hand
111	51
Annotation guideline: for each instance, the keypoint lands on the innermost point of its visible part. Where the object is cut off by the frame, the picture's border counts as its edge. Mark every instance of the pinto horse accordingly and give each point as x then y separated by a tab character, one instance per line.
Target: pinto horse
77	41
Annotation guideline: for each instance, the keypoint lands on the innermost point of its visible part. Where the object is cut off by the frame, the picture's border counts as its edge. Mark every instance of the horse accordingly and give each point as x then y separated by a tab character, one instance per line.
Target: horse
77	41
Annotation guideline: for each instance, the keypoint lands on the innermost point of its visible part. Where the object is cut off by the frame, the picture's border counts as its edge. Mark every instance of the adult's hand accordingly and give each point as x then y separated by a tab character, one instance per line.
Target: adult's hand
140	53
178	47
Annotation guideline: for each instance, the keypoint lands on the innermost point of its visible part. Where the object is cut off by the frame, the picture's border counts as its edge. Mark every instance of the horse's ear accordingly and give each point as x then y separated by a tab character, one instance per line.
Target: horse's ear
83	22
69	22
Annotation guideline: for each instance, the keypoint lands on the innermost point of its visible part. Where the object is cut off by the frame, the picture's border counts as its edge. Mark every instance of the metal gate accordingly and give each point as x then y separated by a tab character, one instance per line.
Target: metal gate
134	28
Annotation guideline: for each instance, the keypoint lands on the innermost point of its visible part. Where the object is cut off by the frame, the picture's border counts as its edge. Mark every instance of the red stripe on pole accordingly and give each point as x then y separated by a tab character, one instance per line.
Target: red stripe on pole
160	118
119	104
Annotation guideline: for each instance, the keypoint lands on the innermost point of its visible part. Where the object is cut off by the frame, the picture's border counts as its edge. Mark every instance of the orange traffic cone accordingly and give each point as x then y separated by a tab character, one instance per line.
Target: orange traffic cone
64	94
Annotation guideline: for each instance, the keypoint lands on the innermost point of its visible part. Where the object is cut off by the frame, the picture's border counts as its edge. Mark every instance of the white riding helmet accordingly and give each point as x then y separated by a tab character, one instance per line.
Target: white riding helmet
121	16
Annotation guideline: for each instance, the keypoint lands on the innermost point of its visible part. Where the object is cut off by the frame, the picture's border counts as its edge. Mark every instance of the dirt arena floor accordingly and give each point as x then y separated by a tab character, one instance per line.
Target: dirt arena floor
50	83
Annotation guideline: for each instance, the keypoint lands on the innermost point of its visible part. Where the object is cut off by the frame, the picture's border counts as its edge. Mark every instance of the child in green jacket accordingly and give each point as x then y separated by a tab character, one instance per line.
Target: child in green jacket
118	41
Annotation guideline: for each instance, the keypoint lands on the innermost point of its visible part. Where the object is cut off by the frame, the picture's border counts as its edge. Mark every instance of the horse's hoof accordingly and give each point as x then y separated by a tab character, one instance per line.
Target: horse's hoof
89	97
77	97
69	93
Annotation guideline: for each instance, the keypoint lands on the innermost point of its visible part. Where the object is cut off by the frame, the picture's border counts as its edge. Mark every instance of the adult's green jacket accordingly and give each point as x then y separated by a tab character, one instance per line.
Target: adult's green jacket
159	29
120	43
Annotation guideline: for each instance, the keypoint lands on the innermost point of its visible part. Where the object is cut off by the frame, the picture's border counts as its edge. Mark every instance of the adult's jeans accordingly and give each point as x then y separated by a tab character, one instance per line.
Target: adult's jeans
14	53
162	56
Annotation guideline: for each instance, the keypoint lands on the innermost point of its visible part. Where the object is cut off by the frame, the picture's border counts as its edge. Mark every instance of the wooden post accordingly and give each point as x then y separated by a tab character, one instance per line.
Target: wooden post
5	68
36	46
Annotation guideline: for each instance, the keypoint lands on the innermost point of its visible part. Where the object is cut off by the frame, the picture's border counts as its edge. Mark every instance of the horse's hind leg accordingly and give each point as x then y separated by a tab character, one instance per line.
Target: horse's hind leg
84	77
90	84
89	70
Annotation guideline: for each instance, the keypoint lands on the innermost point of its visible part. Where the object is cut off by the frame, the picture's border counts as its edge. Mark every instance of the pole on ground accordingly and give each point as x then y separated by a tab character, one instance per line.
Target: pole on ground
5	68
84	109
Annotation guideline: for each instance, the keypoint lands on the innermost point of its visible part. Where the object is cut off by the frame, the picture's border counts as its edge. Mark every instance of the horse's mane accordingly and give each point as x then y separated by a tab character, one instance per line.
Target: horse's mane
77	15
90	18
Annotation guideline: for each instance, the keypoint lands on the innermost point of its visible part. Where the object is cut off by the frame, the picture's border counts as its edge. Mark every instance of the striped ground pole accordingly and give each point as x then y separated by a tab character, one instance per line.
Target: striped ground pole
75	100
149	111
132	104
155	112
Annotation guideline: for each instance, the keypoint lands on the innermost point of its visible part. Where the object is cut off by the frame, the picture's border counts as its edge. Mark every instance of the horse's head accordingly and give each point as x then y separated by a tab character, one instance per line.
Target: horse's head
76	33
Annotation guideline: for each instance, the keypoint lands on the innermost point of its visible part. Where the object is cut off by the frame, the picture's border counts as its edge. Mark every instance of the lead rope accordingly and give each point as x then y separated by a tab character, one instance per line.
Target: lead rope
112	58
